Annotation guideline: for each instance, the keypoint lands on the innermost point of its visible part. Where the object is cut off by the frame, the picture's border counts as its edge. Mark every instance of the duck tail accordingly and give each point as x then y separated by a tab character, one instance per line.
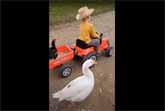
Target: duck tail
58	95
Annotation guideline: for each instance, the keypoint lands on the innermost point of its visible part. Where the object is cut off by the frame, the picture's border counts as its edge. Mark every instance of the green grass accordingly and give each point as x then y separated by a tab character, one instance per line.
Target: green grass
66	12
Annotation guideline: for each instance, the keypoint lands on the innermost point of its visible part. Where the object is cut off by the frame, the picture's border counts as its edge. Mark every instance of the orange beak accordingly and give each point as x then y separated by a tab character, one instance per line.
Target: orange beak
94	62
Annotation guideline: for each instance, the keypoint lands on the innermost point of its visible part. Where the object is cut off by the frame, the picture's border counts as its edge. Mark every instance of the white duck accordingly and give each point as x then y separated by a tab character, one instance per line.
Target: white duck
80	88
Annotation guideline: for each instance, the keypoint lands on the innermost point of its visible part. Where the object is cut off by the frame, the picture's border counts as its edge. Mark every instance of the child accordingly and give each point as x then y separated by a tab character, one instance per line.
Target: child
87	30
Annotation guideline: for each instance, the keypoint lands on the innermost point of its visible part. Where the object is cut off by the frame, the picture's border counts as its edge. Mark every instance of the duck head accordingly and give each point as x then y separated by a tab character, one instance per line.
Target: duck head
88	64
85	68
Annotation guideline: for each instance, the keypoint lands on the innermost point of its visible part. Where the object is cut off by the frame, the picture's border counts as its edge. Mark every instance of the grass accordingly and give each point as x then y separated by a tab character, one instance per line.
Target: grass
66	12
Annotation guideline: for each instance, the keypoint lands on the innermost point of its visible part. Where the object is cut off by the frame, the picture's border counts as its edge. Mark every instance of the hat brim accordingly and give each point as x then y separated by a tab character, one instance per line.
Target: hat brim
90	11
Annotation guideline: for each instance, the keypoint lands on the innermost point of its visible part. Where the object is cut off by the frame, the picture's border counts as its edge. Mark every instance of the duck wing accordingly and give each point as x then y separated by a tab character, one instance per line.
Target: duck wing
72	89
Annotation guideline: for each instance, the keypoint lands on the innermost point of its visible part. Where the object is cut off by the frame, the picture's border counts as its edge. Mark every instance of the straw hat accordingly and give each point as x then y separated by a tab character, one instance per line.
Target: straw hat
84	12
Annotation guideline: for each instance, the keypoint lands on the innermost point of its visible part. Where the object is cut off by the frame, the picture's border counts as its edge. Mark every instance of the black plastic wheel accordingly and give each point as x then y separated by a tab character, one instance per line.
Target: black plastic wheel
108	51
65	70
91	55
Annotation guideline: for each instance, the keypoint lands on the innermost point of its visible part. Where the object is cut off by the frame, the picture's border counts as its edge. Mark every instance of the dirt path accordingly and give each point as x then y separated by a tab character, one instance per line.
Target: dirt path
103	95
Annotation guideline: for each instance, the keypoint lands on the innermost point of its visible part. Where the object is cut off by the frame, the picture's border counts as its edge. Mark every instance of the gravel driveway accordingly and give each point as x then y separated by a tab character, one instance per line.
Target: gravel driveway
103	95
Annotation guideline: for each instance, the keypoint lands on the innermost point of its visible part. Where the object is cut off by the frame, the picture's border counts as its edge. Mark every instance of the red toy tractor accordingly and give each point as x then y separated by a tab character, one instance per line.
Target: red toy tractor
80	49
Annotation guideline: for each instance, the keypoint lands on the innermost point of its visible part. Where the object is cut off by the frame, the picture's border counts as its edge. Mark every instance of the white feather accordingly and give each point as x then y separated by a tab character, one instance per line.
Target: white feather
79	88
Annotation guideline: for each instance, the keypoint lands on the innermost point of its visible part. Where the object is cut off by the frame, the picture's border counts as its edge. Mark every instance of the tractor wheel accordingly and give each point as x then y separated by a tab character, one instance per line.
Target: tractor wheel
91	55
108	51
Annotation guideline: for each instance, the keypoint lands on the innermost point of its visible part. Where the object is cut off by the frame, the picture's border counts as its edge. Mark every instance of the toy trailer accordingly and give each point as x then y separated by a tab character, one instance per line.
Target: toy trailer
65	54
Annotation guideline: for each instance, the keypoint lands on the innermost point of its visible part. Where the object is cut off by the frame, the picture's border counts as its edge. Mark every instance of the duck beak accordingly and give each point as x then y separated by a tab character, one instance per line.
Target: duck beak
94	62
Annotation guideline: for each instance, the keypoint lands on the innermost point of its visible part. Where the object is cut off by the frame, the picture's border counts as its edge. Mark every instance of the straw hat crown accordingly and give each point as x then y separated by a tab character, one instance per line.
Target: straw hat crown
84	12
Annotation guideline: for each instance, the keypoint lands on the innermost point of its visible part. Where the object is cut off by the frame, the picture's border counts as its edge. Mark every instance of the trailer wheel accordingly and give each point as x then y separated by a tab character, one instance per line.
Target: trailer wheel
65	71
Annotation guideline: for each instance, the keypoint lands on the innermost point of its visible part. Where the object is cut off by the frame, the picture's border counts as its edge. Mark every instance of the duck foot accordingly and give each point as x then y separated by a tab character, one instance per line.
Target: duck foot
72	104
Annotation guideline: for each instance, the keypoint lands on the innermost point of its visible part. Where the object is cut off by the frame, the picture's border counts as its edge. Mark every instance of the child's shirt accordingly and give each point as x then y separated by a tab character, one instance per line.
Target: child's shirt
87	31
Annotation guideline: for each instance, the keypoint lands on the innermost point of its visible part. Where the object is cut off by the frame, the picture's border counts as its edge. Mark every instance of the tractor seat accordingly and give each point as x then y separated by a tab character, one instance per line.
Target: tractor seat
82	44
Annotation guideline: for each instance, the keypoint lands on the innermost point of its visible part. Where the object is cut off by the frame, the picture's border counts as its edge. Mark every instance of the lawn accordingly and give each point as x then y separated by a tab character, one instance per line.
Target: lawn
66	12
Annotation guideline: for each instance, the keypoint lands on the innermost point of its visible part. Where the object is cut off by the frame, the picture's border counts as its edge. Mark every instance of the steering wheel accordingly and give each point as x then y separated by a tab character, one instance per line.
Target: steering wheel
101	37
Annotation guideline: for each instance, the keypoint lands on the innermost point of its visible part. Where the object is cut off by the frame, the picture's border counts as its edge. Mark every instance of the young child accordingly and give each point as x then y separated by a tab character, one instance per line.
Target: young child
87	30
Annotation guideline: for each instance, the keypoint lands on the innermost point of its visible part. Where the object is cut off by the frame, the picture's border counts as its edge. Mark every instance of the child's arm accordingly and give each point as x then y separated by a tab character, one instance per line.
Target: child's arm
94	33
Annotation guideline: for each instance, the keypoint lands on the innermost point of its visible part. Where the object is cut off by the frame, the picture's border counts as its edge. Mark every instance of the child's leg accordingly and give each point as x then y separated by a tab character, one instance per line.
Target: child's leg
96	44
